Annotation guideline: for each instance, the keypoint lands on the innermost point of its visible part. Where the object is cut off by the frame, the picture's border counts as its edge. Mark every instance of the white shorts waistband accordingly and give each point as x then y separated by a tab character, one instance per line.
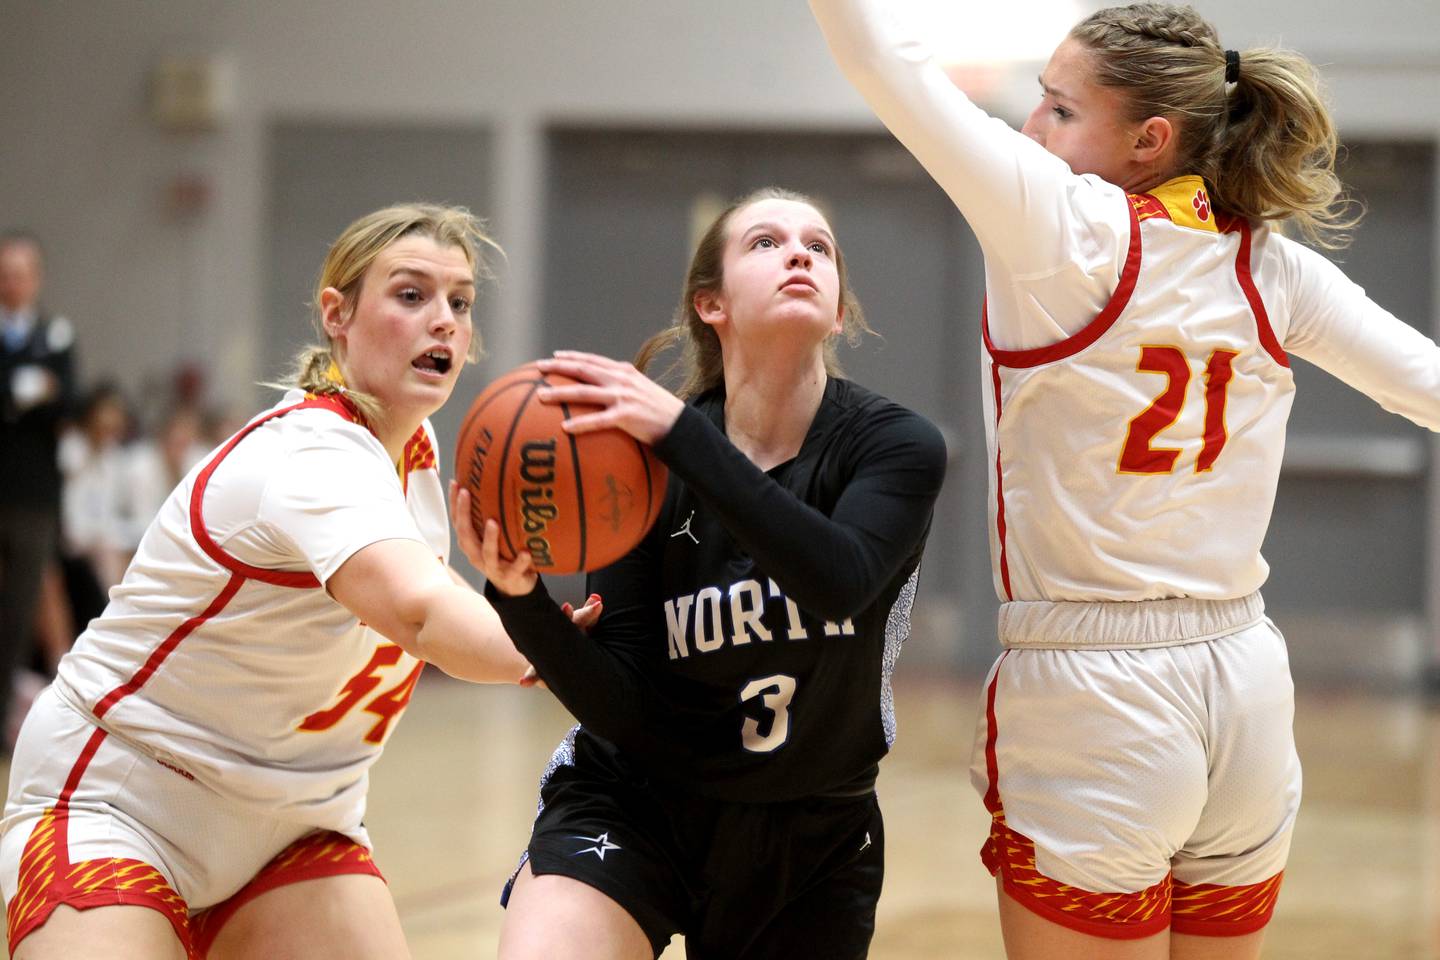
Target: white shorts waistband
1123	625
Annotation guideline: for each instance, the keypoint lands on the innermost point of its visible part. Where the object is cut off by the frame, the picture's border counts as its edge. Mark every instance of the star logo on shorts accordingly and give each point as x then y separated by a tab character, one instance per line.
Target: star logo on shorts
599	846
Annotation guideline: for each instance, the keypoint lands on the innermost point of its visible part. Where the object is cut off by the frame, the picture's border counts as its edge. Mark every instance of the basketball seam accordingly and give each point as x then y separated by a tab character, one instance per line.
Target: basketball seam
649	483
579	486
464	456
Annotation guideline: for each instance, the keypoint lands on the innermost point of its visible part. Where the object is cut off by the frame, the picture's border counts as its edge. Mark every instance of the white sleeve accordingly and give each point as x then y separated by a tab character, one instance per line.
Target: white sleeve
1334	325
333	494
1054	242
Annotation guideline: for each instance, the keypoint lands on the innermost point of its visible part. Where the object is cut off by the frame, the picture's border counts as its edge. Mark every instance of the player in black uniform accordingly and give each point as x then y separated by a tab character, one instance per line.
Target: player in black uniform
734	697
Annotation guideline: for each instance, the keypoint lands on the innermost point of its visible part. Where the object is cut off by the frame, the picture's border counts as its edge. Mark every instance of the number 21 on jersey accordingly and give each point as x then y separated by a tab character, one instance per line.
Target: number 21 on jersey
1139	455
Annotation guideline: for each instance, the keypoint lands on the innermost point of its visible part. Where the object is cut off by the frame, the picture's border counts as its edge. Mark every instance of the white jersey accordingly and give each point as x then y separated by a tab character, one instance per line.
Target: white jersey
1091	306
222	655
1116	448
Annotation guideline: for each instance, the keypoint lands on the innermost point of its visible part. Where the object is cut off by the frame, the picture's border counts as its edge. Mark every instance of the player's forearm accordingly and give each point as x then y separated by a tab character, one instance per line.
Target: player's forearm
401	590
894	70
832	566
1006	186
459	632
591	681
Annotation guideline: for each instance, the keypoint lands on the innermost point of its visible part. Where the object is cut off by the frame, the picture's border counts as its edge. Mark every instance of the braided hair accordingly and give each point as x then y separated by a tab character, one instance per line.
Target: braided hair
1253	123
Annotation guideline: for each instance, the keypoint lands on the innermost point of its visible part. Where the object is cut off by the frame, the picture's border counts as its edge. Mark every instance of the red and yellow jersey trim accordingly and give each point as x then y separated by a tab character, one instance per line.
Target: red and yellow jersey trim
419	455
1184	201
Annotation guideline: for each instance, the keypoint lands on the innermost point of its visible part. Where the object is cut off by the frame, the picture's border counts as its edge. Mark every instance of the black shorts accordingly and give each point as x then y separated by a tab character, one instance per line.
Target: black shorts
741	881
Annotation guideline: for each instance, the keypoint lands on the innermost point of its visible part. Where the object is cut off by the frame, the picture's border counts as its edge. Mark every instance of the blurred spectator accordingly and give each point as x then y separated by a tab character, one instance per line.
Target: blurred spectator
54	635
157	464
36	387
95	534
55	630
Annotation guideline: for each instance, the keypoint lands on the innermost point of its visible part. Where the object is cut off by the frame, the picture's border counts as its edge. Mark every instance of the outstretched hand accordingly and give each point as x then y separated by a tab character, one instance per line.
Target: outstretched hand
631	401
482	548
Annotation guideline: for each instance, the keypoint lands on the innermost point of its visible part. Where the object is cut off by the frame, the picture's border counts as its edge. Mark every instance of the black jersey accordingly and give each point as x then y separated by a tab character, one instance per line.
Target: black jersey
746	644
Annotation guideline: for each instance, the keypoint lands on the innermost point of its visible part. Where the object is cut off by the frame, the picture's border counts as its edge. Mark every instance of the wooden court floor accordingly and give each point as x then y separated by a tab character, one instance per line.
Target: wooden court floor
452	800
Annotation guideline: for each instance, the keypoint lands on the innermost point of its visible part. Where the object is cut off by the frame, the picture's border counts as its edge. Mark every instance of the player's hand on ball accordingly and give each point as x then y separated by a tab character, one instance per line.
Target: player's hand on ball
632	402
465	534
513	578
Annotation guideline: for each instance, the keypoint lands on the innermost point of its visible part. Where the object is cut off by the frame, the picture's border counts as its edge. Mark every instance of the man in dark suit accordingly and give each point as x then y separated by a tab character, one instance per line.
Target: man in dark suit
36	389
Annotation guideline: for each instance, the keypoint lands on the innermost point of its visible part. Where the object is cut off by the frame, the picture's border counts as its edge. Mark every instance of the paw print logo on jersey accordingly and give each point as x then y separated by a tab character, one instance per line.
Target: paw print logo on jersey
1201	203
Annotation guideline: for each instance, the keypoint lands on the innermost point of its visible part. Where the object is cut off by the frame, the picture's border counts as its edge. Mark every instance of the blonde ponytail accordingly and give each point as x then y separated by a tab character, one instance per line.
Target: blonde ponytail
1265	142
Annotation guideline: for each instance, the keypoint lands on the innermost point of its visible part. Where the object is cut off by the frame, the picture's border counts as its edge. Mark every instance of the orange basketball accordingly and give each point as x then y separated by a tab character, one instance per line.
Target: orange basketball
575	502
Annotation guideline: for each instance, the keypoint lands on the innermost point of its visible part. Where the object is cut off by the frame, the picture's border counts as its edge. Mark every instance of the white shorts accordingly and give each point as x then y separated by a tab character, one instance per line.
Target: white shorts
81	797
1127	767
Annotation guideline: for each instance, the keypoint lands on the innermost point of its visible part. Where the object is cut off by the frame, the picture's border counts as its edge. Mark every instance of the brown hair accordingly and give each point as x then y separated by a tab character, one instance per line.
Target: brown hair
701	364
344	269
1265	143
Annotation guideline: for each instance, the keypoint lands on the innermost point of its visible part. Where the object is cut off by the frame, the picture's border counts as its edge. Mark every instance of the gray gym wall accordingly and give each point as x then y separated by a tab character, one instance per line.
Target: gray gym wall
515	86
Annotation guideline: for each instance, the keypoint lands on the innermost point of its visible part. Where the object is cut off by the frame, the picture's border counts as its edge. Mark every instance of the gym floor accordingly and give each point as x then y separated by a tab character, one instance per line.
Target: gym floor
451	803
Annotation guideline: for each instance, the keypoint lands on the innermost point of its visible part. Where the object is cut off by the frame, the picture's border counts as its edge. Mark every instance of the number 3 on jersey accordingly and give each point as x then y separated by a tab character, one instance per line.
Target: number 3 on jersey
775	694
1138	455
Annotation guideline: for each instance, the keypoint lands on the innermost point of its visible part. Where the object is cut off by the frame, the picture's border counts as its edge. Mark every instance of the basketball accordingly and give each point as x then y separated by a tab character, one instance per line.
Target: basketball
575	502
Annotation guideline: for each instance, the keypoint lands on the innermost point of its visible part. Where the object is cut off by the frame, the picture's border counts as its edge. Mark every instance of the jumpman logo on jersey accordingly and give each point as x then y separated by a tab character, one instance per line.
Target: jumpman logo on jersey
600	845
685	529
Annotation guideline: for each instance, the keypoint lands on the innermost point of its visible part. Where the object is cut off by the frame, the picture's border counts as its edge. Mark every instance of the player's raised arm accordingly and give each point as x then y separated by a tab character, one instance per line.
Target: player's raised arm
831	564
1337	327
1013	193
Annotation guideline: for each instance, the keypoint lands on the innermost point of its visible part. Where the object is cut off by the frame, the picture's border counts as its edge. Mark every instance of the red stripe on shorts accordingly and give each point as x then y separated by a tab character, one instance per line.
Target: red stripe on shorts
1011	856
47	877
313	857
1114	916
1212	910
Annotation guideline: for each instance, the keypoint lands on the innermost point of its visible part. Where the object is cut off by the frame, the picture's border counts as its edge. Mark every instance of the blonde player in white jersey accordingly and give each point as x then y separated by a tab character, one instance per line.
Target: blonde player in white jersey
194	781
1134	746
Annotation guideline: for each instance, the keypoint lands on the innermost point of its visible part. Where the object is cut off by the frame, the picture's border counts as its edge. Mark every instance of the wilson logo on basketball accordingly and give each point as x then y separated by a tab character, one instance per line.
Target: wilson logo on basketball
537	498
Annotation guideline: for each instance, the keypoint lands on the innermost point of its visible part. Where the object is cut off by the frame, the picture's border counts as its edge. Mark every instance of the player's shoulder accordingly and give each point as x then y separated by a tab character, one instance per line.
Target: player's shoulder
1270	243
1284	264
295	439
865	416
856	402
306	425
